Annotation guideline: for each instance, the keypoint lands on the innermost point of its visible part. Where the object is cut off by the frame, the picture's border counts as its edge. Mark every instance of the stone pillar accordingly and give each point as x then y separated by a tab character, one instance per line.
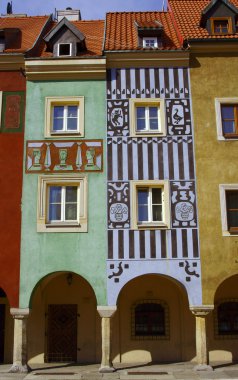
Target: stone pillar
20	340
200	313
106	312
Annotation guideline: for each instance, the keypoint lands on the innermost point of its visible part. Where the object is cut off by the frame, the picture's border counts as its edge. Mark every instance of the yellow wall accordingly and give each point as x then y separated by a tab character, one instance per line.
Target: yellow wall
213	76
181	343
55	290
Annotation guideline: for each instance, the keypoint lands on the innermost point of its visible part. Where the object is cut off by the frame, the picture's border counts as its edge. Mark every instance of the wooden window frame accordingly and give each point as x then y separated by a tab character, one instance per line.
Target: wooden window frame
229	21
63	220
150	39
64	55
50	102
231	135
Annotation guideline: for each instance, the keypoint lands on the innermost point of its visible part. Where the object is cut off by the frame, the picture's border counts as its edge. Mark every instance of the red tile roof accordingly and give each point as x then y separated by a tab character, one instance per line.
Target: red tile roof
122	34
187	15
30	28
94	33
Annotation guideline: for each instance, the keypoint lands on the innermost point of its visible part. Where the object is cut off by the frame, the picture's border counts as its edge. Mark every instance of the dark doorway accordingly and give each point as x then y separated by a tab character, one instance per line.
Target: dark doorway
62	333
2	331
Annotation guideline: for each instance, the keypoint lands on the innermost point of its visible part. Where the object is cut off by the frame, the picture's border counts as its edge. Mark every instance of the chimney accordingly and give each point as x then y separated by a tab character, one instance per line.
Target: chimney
70	14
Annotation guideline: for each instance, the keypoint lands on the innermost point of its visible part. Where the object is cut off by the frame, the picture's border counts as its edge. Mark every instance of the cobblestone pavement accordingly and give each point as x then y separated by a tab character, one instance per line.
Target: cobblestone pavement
178	371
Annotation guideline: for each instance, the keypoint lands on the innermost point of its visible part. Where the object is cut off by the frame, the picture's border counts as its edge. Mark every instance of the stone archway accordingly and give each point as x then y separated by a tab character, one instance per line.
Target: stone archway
170	331
63	324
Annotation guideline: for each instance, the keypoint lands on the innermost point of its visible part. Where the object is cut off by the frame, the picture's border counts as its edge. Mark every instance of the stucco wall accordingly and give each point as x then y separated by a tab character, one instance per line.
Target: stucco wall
213	76
82	253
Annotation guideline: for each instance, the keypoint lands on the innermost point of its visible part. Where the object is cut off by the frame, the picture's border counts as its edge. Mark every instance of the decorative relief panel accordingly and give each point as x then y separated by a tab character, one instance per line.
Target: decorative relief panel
118	118
64	156
183	204
12	112
118	205
178	117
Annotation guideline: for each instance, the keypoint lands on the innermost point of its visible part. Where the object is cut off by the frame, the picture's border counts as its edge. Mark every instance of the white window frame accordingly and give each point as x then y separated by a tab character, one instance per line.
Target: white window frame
223	188
155	39
63	205
43	223
165	223
50	102
150	102
218	103
64	55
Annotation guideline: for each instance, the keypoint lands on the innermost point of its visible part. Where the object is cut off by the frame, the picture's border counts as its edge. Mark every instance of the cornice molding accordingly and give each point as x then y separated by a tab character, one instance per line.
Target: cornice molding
213	47
147	59
65	69
12	62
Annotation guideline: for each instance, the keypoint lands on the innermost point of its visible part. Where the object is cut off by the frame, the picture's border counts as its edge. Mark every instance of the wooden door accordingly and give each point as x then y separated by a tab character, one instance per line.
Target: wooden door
62	333
2	331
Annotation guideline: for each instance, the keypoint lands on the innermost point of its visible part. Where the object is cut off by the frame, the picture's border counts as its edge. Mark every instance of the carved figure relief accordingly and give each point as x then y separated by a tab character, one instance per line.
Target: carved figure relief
178	117
118	209
61	156
183	204
118	118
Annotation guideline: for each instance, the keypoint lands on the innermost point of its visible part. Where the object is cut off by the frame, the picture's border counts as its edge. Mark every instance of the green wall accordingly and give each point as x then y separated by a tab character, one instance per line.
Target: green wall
82	253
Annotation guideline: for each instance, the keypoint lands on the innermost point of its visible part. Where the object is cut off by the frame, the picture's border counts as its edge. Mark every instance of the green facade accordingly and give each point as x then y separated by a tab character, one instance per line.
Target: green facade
81	253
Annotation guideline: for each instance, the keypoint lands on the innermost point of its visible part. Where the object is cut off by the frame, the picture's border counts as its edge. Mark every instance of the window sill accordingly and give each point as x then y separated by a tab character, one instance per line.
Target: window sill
148	134
151	226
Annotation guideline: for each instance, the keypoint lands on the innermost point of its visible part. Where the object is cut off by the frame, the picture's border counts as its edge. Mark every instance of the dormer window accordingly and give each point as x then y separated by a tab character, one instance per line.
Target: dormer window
150	42
64	50
221	25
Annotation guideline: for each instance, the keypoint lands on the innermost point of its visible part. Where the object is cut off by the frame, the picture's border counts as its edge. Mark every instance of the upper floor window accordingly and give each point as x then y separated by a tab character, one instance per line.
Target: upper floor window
221	25
64	49
64	116
227	118
150	42
63	204
229	209
147	117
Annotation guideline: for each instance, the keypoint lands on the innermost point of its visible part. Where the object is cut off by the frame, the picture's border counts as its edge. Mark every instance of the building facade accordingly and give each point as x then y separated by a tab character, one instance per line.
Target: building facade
213	43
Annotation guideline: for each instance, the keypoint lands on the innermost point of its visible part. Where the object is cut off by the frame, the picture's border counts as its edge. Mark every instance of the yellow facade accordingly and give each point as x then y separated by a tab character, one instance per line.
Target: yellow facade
215	75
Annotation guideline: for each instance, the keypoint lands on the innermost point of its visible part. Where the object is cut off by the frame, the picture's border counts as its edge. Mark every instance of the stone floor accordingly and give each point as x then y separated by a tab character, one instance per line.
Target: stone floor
144	371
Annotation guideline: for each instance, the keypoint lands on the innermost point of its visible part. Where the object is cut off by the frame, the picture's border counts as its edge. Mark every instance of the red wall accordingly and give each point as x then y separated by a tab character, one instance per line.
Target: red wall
11	166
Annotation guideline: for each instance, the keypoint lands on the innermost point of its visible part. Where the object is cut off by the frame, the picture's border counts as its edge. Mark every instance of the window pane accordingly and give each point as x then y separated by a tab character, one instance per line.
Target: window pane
228	126
72	124
143	214
157	213
55	212
156	196
233	218
55	194
141	126
153	112
58	124
143	195
232	199
140	112
58	111
71	194
71	211
227	112
72	111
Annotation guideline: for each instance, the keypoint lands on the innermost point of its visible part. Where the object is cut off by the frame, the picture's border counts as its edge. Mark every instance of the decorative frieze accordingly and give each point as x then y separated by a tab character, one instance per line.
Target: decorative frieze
64	156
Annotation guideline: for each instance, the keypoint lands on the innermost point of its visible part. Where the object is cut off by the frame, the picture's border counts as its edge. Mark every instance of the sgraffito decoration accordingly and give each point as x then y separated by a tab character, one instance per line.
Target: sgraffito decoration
118	118
118	205
169	83
64	156
12	112
190	268
178	117
183	204
117	270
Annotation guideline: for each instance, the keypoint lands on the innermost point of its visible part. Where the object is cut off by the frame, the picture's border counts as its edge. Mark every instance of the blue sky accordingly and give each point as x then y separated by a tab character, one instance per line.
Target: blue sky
90	9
